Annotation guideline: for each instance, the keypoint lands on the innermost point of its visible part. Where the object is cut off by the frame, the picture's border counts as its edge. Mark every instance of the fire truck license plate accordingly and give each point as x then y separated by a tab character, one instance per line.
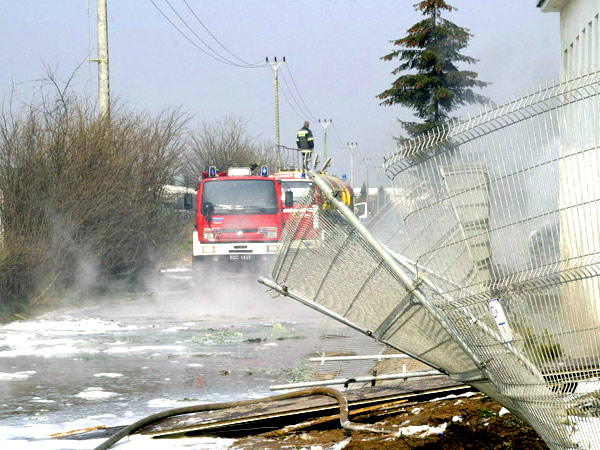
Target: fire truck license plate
240	257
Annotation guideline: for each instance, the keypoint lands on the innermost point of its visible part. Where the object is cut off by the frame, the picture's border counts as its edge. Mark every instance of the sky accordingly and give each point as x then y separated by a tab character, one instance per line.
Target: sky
332	48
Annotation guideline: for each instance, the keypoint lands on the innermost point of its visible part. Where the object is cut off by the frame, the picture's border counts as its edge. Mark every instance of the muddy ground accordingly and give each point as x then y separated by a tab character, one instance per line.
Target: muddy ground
470	423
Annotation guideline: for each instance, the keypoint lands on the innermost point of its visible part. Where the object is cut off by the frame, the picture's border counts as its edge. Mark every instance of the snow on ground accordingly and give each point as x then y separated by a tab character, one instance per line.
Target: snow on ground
16	375
421	430
447	397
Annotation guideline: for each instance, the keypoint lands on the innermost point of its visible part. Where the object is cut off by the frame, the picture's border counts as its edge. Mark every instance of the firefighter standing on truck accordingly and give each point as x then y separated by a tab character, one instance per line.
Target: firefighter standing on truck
305	143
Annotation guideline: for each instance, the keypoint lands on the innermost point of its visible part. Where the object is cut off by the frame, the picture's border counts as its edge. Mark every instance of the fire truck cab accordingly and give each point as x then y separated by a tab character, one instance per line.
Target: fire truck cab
299	186
239	217
309	202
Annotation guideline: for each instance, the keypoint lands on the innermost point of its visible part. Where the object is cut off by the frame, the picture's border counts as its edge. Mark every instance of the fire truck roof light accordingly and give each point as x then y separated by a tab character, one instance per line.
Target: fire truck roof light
264	171
239	172
212	171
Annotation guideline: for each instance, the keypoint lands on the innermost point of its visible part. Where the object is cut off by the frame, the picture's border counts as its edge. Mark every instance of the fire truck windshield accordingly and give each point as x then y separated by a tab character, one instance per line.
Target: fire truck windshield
241	196
298	188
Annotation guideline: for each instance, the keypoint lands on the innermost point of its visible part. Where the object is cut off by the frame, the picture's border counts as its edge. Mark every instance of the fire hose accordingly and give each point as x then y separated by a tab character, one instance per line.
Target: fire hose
341	399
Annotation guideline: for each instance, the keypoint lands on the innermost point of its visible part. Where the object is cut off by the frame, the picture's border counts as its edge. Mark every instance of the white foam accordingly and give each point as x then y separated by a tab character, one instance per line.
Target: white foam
176	269
47	348
200	443
16	375
68	325
101	416
175	329
108	375
41	400
55	338
162	403
95	393
145	348
49	444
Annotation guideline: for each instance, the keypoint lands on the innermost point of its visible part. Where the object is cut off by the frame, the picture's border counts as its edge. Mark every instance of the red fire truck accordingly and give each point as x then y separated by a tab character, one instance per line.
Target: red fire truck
296	182
239	218
299	185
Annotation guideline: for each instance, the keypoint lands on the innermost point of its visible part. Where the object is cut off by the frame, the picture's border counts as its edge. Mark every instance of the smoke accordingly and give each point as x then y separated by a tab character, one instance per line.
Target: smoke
215	291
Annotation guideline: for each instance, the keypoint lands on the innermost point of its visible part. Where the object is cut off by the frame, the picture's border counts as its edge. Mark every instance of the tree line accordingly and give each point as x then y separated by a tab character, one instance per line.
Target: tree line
81	197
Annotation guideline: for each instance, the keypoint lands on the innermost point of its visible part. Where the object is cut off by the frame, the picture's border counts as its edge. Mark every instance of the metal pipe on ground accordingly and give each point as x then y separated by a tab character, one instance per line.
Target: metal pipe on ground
341	399
365	379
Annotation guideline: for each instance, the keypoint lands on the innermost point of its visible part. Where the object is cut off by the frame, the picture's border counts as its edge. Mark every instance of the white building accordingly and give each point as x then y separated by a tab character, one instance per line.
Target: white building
579	34
579	168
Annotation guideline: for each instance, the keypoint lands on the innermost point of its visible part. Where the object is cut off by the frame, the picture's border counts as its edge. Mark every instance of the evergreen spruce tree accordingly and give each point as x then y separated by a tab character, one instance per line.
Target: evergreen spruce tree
430	81
364	194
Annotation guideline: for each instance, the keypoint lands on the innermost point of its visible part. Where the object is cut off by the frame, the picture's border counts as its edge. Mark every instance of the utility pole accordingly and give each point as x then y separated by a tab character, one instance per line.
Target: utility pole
367	162
378	170
103	78
275	66
352	146
325	123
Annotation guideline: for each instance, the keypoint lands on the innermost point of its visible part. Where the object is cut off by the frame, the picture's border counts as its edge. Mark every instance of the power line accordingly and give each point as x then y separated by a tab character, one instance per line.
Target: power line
224	59
291	93
290	104
218	58
195	34
183	34
336	137
218	41
310	114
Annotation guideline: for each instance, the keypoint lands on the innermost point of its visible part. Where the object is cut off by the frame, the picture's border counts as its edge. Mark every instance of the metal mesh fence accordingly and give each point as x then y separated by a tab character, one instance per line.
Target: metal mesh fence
484	263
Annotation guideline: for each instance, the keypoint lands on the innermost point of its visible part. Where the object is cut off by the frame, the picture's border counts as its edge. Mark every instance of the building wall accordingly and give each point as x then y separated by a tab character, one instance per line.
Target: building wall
579	35
579	180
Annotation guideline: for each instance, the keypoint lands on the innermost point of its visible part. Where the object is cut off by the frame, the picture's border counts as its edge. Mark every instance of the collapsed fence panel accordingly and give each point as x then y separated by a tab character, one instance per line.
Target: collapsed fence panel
484	263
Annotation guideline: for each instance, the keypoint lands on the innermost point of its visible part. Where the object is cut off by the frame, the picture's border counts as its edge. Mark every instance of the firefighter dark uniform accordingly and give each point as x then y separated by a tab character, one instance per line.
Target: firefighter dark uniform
305	142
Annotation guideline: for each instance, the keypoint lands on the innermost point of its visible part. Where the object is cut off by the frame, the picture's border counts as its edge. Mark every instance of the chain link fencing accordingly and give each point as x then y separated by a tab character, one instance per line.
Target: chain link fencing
484	263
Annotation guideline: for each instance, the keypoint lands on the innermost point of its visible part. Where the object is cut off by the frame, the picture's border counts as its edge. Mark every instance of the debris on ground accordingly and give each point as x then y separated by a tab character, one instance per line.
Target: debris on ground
470	423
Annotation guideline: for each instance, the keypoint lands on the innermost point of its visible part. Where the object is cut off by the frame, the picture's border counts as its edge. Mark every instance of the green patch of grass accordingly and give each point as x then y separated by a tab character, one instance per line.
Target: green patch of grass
280	332
486	413
14	309
300	374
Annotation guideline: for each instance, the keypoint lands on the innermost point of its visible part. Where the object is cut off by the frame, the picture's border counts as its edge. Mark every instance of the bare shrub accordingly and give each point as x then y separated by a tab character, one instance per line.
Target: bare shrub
224	143
81	196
